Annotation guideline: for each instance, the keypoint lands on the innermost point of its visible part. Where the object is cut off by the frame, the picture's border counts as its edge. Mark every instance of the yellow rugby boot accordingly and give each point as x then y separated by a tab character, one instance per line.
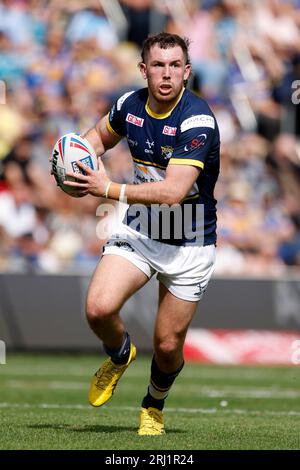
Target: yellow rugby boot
151	422
106	378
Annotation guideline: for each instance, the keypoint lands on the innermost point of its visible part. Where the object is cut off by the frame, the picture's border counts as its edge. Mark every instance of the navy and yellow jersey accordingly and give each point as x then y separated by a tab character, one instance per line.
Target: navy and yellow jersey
186	135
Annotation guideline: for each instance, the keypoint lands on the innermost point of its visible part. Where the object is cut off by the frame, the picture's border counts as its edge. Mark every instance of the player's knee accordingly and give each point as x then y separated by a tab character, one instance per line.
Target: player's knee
98	309
166	348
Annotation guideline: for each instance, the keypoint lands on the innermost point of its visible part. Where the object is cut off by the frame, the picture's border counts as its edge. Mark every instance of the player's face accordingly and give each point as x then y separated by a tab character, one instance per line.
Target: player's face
165	70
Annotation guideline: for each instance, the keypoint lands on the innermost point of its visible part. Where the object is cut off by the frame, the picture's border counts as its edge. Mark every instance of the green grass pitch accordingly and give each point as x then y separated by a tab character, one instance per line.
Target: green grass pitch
43	405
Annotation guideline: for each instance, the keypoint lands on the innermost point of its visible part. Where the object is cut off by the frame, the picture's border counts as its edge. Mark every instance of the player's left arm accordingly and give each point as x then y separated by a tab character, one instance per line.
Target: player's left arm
172	190
100	138
192	148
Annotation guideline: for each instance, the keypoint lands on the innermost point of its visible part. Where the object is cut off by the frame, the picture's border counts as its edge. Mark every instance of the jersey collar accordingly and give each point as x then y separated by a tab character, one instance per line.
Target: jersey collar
162	115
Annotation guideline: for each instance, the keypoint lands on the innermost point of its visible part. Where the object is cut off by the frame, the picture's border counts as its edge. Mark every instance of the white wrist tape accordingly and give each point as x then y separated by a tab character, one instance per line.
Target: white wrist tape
107	189
122	197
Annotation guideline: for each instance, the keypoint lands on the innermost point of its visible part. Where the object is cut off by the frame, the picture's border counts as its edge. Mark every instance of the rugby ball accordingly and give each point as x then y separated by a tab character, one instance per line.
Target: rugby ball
68	150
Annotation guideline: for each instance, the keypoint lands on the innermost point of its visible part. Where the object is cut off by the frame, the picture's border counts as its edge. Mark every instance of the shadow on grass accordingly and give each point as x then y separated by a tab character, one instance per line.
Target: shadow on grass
93	428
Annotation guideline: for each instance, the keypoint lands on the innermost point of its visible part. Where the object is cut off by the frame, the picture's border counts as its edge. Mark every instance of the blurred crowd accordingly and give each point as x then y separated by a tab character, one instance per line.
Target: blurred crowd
63	65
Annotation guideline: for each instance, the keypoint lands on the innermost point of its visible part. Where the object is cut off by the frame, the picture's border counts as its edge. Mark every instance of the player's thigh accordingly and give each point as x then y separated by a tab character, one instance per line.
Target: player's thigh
173	317
114	281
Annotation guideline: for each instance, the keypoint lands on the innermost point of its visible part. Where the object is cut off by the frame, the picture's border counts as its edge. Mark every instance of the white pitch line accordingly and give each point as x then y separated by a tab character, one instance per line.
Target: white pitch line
50	384
238	411
221	372
204	391
54	406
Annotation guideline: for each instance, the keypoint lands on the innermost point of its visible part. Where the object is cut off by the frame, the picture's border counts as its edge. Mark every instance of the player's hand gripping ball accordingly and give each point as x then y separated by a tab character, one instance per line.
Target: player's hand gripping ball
68	150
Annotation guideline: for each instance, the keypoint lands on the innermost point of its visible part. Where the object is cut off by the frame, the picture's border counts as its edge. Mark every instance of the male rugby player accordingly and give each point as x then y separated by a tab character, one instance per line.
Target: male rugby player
174	142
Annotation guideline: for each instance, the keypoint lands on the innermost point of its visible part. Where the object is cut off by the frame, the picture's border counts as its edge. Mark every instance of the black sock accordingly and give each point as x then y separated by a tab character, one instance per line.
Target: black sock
120	356
160	384
150	402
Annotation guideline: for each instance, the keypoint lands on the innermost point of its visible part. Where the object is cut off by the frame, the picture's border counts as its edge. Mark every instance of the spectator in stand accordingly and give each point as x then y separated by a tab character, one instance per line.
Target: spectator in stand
144	17
65	64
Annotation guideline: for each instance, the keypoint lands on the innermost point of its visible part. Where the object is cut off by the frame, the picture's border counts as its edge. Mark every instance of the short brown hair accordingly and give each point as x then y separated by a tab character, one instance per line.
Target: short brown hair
166	40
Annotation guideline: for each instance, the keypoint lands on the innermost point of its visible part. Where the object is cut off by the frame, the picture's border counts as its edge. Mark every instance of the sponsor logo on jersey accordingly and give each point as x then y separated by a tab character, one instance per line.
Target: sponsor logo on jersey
167	152
131	142
196	143
199	120
144	169
122	99
144	174
137	121
150	144
142	179
167	130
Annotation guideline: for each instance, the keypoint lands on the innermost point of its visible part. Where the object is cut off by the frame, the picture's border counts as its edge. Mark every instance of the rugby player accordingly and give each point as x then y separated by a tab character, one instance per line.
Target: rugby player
174	141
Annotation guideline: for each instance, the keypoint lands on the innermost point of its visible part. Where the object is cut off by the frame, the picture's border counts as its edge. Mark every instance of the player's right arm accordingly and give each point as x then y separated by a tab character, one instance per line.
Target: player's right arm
111	128
101	138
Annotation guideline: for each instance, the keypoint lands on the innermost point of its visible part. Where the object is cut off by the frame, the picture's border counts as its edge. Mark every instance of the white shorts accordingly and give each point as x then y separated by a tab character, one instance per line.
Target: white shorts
184	270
